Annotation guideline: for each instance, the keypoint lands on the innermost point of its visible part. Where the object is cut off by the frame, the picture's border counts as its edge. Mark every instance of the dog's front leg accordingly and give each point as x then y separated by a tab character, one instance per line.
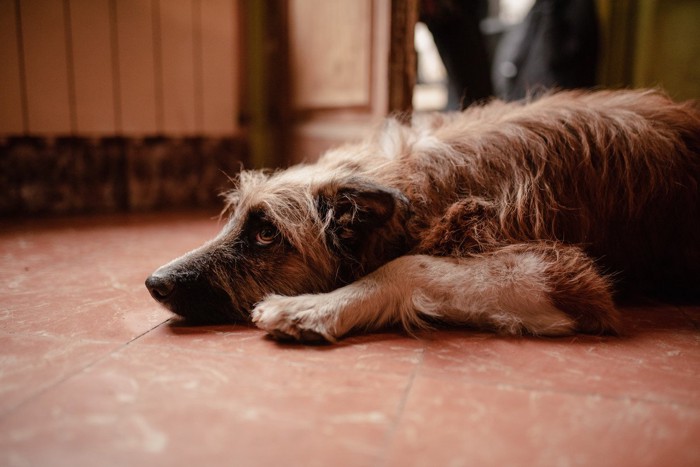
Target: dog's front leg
369	303
541	289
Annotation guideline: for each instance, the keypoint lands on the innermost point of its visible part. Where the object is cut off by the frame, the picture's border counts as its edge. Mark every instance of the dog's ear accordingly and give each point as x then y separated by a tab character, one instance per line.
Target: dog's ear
352	210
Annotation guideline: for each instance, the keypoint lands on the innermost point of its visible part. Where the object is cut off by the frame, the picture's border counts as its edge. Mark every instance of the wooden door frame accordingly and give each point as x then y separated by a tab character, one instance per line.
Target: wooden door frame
280	135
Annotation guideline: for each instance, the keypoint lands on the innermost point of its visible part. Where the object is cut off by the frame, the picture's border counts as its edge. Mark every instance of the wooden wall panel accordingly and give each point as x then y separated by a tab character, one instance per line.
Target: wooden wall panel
11	112
93	67
219	55
177	35
137	78
339	54
330	52
50	108
381	56
119	67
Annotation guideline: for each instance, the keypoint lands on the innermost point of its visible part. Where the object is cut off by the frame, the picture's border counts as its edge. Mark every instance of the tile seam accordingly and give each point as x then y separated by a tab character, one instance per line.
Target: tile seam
119	346
400	411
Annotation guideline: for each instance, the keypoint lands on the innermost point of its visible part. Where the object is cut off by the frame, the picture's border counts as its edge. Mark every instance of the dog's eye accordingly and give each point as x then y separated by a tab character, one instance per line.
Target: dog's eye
266	235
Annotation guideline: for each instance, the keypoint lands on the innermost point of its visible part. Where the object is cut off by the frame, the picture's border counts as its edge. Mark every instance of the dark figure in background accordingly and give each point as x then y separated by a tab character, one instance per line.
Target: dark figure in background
555	47
454	25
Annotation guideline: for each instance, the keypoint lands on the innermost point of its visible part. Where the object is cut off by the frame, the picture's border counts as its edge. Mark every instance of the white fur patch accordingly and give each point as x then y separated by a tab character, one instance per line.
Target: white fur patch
506	293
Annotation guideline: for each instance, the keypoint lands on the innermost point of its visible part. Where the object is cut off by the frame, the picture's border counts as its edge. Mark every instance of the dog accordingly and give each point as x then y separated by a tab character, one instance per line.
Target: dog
517	218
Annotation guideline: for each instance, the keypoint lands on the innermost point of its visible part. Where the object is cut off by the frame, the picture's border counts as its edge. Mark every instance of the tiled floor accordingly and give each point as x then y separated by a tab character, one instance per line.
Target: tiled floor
93	372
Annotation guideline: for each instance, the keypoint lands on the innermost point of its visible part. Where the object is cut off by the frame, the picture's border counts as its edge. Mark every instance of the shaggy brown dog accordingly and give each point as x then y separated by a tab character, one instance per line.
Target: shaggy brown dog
502	217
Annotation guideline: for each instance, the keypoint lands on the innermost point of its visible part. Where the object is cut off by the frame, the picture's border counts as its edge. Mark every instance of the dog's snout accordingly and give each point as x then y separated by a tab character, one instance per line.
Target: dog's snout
188	286
160	287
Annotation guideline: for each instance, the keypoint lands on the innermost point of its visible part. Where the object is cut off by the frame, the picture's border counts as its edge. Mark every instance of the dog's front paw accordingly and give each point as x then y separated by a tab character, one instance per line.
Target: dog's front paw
305	318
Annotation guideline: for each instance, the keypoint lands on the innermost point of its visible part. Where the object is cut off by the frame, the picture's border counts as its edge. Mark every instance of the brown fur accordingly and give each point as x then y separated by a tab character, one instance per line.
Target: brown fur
583	181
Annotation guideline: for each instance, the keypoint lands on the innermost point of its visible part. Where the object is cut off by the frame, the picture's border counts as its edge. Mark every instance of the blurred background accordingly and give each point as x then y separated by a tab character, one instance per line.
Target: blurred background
142	105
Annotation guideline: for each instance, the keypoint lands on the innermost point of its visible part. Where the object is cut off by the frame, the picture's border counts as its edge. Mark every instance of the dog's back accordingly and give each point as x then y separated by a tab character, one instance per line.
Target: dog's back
617	172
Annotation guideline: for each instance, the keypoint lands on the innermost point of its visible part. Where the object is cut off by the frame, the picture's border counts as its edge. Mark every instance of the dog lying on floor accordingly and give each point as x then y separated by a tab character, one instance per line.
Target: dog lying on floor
511	217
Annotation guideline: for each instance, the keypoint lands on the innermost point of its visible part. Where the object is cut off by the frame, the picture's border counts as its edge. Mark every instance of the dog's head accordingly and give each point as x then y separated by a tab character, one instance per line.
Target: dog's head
292	232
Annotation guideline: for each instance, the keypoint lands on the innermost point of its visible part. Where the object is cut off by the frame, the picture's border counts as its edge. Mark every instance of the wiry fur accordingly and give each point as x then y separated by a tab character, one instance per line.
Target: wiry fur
501	217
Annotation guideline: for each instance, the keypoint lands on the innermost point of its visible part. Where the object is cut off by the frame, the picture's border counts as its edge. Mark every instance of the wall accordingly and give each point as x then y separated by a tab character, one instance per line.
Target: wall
121	97
118	67
351	62
651	43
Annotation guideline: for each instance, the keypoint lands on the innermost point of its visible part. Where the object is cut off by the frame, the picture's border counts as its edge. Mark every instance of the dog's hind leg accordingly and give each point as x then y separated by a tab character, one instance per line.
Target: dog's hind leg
540	289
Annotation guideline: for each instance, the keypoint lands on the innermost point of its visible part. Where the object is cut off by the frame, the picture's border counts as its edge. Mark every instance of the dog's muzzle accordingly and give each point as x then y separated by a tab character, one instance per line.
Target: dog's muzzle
191	295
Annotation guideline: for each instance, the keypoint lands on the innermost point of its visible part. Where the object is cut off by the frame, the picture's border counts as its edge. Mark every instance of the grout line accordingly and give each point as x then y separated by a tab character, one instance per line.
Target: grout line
162	323
119	347
400	411
252	356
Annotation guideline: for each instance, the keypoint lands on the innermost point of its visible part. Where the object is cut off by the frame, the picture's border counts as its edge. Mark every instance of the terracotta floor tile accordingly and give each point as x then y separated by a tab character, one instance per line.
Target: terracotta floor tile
93	372
31	364
383	352
78	279
462	424
149	405
658	361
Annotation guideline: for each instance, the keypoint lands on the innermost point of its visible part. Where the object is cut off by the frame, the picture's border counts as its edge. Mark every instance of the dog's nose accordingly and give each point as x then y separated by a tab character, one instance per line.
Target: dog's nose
160	287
